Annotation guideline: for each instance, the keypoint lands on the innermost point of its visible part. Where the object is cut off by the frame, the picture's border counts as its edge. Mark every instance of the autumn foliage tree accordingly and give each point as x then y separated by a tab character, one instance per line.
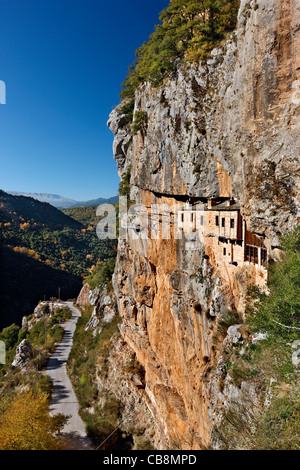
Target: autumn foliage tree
25	424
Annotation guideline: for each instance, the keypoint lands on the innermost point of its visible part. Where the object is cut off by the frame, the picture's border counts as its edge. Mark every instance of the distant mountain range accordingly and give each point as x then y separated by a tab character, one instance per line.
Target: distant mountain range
61	202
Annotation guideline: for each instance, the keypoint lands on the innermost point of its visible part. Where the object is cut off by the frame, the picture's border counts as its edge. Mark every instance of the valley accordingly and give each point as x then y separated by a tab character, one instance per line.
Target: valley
43	251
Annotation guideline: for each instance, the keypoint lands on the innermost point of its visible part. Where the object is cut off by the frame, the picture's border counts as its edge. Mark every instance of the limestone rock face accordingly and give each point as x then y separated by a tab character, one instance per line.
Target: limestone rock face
118	378
24	353
104	309
229	126
224	128
83	297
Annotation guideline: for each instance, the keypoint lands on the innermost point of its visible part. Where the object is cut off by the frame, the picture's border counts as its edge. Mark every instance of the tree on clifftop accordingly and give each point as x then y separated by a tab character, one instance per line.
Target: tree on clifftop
189	30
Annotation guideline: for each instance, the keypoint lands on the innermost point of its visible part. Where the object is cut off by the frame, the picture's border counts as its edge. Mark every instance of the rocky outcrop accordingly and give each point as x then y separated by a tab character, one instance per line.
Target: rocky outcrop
227	128
83	297
104	310
24	353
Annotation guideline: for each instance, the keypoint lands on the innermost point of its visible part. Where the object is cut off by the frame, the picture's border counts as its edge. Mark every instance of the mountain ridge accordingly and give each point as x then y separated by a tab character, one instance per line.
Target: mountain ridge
61	202
15	208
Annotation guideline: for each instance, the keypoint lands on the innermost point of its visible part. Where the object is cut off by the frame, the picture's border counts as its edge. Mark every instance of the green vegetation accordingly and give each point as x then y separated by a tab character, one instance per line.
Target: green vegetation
228	319
102	274
73	251
10	336
25	281
124	186
44	336
140	122
88	366
86	215
279	312
127	109
40	231
28	212
47	333
269	362
189	30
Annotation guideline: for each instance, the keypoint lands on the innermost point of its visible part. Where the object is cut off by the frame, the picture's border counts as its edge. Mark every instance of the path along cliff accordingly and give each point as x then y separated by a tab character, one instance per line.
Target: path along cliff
63	399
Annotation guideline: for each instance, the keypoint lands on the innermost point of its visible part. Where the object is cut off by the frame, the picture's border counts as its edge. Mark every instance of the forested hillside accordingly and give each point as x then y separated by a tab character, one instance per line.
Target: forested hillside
84	215
43	249
18	210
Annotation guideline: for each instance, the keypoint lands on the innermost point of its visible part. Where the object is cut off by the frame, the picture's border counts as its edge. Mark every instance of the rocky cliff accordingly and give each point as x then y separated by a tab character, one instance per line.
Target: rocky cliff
225	129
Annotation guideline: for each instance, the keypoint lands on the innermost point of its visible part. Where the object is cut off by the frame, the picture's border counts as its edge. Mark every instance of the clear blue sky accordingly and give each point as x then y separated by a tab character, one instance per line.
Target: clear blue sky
63	62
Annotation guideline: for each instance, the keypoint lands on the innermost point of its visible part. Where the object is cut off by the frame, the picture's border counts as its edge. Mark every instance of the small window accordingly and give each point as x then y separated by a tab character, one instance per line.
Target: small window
202	220
231	223
182	217
217	220
224	251
223	221
192	217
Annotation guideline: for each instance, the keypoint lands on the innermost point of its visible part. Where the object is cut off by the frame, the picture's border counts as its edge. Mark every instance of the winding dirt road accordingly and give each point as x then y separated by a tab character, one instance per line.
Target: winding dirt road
63	398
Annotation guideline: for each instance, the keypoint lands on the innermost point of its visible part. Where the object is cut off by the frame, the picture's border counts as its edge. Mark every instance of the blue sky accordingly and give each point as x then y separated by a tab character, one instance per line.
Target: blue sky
63	62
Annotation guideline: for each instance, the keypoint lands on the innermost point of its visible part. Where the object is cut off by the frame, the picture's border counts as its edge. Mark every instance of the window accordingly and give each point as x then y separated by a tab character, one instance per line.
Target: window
223	221
231	223
217	220
202	220
224	251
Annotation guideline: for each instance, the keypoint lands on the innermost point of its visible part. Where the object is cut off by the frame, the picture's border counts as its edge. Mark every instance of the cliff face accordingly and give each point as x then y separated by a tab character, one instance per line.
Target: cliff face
226	129
117	372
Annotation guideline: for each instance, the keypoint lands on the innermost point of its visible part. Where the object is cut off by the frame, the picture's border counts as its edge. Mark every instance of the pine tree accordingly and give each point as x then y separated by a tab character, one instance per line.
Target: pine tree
189	29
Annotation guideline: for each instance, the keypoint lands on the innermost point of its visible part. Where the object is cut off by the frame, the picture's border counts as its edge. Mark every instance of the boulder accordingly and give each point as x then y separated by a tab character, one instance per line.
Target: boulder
24	353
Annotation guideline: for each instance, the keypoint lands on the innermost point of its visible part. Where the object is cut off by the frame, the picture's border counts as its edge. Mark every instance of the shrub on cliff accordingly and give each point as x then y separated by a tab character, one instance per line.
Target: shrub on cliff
279	312
140	122
124	186
102	273
189	30
10	336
